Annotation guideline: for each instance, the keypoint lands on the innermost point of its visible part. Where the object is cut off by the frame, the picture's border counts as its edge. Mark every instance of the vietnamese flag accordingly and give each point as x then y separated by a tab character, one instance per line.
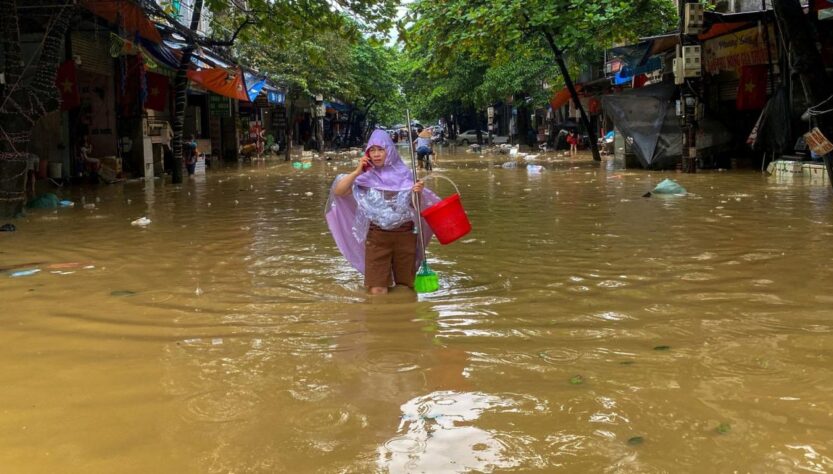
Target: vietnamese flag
157	94
752	88
67	85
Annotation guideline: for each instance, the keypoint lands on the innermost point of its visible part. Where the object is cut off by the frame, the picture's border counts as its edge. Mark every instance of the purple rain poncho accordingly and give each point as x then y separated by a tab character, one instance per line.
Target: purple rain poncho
379	195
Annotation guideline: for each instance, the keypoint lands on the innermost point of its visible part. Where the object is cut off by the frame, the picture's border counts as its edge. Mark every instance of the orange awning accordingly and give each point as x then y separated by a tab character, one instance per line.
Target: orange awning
562	97
125	14
221	81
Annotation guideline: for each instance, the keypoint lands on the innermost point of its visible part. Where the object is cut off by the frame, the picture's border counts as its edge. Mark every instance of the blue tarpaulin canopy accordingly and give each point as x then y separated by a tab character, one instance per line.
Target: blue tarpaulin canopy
255	88
337	106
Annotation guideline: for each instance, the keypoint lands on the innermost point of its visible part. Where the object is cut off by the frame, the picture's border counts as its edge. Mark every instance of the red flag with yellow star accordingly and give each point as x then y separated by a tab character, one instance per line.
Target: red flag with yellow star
67	85
752	88
157	94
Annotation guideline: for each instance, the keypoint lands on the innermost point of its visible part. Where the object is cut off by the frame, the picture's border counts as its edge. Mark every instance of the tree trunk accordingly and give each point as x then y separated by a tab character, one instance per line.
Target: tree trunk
319	134
349	132
21	106
181	95
807	62
559	59
290	129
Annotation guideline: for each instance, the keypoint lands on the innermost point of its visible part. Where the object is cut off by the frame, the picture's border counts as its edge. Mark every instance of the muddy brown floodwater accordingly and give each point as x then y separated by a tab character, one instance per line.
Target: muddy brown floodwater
579	328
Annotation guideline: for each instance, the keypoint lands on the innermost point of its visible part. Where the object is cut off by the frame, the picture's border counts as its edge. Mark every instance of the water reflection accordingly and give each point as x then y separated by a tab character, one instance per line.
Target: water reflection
436	435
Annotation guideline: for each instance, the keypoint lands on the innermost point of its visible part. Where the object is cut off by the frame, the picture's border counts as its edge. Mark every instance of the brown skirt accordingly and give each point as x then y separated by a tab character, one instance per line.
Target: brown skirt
390	256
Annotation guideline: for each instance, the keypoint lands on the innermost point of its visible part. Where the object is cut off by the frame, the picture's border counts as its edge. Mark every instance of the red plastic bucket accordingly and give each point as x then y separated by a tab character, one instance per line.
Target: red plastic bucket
447	219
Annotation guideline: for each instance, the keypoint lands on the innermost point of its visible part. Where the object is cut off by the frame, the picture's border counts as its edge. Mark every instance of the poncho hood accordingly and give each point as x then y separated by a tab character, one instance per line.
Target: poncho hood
394	175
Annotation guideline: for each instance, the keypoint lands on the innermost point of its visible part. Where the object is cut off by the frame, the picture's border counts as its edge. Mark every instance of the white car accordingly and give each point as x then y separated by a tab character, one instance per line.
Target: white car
470	136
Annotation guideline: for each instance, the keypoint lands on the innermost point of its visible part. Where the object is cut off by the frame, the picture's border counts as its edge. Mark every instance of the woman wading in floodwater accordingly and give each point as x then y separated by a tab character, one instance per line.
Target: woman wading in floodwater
371	215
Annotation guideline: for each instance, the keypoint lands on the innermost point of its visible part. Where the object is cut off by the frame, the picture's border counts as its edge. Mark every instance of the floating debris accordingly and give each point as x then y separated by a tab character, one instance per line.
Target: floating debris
120	293
23	273
576	380
636	441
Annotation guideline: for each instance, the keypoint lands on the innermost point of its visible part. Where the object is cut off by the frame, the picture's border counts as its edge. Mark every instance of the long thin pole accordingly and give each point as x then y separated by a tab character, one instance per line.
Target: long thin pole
417	203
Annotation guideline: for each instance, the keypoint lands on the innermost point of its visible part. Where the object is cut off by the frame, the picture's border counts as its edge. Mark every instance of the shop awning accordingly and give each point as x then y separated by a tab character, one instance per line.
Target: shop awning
125	14
561	97
161	53
227	83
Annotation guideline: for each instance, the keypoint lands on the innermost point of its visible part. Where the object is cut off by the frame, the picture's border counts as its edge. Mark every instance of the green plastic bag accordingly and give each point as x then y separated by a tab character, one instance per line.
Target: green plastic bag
44	201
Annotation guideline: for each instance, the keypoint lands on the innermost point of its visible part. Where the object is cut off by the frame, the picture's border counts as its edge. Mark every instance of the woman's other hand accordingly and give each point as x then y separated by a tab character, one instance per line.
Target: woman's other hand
418	186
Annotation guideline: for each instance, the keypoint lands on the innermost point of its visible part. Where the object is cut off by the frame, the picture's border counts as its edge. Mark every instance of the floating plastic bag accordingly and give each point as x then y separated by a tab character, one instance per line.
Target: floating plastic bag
669	186
44	201
23	273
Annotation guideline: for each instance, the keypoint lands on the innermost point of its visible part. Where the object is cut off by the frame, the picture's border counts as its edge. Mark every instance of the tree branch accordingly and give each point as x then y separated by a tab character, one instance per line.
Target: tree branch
231	40
191	35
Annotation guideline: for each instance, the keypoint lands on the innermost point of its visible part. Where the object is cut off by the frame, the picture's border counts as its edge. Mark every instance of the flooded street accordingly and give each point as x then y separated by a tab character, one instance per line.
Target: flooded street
579	327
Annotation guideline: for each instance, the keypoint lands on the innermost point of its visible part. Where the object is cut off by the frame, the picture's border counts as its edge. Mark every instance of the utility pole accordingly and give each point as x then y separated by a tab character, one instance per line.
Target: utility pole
688	73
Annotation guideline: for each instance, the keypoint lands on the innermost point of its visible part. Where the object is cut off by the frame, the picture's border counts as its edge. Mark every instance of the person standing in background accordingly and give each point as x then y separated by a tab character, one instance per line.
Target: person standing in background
572	139
424	149
190	151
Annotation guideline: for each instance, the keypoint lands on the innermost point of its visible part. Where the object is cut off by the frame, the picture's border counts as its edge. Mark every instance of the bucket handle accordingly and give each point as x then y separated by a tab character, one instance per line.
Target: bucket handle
434	175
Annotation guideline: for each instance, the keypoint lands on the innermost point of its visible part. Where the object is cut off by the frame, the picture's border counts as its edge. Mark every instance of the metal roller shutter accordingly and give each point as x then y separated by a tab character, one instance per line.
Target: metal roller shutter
94	50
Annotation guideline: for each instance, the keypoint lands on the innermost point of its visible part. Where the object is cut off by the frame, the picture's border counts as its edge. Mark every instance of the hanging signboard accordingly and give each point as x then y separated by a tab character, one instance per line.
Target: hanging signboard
818	142
275	97
219	106
742	48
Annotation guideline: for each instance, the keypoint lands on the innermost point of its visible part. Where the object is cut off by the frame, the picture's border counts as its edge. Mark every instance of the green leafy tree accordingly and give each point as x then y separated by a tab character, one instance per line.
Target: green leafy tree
340	63
377	96
490	30
440	89
284	30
